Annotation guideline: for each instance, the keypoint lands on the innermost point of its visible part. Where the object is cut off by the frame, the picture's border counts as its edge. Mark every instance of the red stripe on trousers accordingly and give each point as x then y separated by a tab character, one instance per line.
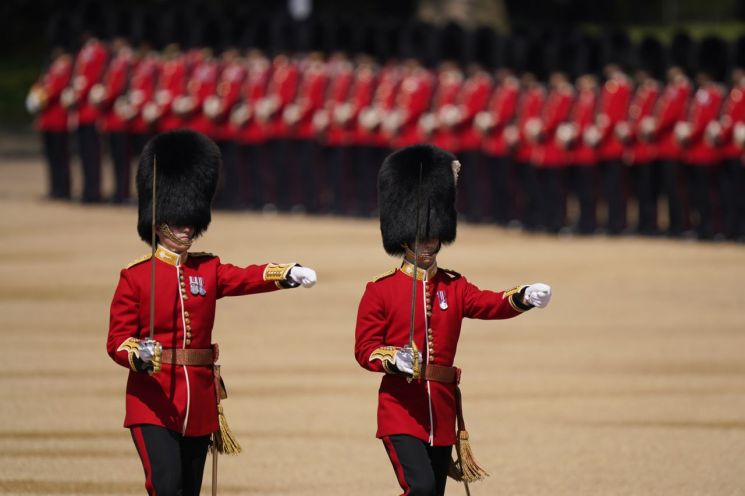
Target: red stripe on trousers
396	464
142	450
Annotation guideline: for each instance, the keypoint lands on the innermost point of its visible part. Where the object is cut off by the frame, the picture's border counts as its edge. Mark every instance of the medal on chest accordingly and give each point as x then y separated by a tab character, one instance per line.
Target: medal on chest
442	299
196	284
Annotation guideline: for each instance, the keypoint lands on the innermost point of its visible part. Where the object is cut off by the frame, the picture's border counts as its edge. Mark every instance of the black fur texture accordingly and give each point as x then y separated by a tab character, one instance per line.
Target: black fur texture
397	193
188	167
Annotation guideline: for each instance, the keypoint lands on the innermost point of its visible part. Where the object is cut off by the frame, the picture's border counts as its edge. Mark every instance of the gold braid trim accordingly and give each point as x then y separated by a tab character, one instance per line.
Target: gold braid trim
511	295
277	272
132	347
387	355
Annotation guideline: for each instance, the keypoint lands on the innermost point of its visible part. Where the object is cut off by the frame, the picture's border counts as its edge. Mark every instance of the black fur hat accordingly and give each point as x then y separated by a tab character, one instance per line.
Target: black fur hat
188	165
398	184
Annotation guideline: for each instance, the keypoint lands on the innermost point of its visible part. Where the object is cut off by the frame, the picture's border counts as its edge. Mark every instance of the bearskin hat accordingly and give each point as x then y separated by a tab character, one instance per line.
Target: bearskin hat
188	165
399	192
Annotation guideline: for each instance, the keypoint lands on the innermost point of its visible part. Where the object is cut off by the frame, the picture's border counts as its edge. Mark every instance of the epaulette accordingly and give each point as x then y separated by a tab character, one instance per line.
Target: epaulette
139	260
201	254
451	273
383	275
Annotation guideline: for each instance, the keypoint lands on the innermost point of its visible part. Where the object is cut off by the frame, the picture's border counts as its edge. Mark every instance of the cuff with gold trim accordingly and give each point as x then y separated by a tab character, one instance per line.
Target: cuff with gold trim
280	274
516	298
387	357
137	364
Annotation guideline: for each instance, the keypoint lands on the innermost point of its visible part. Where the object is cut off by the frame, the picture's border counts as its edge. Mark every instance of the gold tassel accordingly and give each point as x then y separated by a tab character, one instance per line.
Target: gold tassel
224	438
465	468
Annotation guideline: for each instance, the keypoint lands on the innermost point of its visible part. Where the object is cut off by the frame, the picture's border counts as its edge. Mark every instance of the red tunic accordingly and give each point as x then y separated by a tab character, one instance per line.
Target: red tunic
502	107
219	106
529	108
361	97
369	131
583	116
202	84
548	152
90	65
282	89
115	85
444	100
310	97
423	409
257	80
172	84
53	115
640	151
472	100
337	110
180	398
670	108
614	105
142	89
733	113
413	99
704	110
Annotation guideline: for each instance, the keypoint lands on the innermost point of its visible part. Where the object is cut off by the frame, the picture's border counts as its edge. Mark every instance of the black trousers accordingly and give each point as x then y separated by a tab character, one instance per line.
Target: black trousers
644	183
251	169
700	182
581	184
229	190
121	157
499	179
338	196
670	172
57	153
173	464
366	161
89	148
613	191
732	190
551	198
421	469
473	178
531	204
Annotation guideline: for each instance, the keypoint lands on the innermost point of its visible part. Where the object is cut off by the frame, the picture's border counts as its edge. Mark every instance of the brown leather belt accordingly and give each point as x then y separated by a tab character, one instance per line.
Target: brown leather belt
188	356
439	373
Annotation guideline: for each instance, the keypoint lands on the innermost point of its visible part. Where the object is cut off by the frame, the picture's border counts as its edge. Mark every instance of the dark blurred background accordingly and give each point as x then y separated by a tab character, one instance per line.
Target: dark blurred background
26	24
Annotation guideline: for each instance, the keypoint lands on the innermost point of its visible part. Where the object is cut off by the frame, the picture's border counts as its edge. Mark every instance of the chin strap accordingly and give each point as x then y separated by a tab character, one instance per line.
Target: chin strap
165	230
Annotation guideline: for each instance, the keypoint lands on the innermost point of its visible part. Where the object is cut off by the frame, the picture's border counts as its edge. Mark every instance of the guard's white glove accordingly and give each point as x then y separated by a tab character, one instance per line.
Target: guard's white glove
303	275
149	349
404	360
537	294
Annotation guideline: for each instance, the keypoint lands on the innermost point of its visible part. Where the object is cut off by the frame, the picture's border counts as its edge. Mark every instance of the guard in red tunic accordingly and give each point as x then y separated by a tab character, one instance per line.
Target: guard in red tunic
172	402
657	129
89	68
613	109
700	153
104	95
419	399
639	154
581	157
549	156
722	133
44	99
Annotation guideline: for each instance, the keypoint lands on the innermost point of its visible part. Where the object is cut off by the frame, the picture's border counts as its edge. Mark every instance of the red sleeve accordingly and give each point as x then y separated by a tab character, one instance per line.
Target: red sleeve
123	319
370	331
559	115
490	305
237	281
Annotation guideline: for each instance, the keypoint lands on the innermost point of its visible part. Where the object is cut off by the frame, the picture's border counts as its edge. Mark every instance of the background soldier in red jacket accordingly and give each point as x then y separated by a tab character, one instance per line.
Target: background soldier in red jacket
172	404
658	129
700	153
105	95
581	157
491	123
639	154
44	98
419	399
721	132
253	154
89	68
613	109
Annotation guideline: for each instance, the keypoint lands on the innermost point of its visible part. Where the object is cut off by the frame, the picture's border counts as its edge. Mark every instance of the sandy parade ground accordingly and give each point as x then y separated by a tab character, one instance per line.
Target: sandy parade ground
632	382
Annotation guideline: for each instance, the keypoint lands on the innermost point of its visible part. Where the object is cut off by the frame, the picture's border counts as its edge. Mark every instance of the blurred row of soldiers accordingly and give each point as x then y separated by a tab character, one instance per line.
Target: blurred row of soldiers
304	114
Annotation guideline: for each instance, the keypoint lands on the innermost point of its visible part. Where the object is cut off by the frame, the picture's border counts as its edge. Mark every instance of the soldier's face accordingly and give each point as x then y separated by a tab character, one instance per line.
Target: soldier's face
427	255
183	235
